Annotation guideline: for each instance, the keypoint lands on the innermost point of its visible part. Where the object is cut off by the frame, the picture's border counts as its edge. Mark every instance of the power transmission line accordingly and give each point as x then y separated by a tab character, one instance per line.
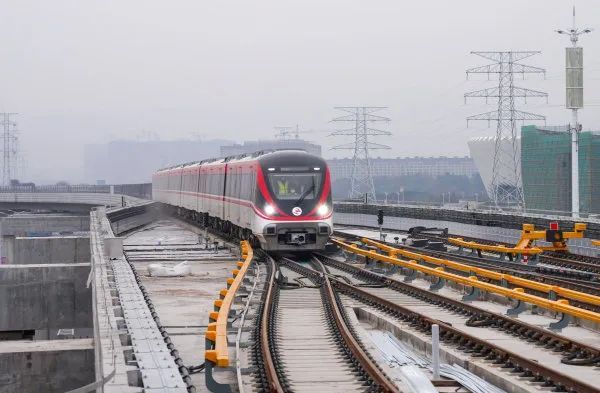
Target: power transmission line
361	181
506	187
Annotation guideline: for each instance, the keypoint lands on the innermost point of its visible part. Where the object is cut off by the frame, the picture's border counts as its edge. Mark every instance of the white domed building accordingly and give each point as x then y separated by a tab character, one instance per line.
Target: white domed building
482	152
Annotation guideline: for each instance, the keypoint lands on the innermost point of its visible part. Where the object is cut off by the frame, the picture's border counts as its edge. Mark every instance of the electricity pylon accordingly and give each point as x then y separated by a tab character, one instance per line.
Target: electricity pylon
506	186
361	182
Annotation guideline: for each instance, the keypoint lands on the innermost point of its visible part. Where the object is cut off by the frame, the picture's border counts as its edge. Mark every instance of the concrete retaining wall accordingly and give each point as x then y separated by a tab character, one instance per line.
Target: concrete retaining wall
50	371
53	249
45	298
23	224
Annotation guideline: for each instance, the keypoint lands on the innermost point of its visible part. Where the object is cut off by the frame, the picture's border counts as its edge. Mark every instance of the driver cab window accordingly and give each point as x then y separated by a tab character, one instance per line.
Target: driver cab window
295	185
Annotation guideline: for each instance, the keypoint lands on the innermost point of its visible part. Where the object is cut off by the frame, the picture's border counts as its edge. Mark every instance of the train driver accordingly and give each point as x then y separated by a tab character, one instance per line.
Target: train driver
283	187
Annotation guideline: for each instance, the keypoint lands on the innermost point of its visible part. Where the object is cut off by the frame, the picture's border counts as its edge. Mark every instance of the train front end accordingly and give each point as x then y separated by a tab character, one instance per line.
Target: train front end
294	209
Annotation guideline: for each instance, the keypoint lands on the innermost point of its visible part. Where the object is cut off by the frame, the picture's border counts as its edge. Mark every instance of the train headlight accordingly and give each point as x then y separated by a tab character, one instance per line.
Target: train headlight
270	210
323	210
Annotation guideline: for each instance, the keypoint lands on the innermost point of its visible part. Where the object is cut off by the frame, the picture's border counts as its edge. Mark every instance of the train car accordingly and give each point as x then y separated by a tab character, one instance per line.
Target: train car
279	199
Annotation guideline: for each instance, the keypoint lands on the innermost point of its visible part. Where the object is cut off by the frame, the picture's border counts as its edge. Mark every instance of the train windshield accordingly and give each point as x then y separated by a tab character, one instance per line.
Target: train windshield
295	186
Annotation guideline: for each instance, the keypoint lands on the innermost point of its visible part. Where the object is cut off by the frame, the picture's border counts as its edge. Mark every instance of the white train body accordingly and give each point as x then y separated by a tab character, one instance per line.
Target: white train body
281	199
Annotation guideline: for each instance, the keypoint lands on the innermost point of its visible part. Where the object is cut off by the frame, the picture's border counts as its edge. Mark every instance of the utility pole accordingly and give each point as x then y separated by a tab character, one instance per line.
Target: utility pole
9	147
574	85
361	181
506	187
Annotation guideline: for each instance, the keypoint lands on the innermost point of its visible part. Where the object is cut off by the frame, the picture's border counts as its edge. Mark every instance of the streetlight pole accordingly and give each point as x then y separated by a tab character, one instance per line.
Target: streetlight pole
574	82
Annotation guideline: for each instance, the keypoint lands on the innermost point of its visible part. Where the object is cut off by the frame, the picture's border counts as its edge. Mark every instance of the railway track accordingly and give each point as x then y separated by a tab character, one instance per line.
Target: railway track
581	263
389	296
564	272
572	261
305	342
589	285
285	361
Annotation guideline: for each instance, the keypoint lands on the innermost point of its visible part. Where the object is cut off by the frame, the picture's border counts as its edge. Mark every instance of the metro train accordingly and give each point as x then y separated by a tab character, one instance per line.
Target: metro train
280	200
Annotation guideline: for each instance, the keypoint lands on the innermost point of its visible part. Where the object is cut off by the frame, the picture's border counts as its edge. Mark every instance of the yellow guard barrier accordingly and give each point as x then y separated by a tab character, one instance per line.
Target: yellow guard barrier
517	281
561	305
458	241
524	245
216	332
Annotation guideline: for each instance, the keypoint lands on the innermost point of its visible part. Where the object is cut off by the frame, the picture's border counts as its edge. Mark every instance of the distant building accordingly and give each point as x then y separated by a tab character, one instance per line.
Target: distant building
123	161
248	147
429	166
545	170
546	167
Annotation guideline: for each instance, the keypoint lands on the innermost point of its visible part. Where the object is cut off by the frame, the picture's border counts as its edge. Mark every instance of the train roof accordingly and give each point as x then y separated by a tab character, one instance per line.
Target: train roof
261	155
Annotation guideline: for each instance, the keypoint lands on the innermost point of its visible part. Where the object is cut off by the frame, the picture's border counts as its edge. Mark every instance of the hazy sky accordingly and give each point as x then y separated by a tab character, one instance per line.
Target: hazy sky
90	71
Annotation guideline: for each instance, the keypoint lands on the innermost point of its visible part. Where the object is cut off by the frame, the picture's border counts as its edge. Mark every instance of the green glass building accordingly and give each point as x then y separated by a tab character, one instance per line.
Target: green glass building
546	169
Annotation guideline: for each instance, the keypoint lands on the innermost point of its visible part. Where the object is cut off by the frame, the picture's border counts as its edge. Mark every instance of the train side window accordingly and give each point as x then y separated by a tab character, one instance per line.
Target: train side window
231	182
234	189
228	184
221	183
246	186
242	185
239	185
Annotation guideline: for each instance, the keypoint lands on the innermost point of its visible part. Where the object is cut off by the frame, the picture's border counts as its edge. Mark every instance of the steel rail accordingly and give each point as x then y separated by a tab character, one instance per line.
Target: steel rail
274	385
238	338
480	347
366	363
587	264
585	353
